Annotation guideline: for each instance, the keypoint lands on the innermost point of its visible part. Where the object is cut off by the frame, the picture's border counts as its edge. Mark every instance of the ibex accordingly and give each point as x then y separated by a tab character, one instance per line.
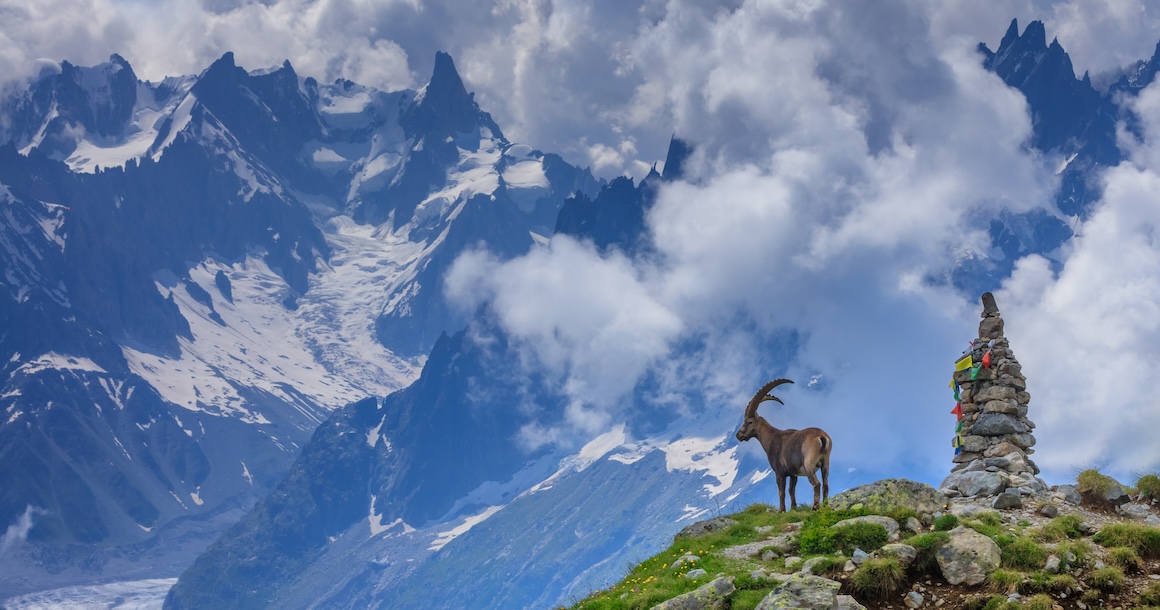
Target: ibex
791	453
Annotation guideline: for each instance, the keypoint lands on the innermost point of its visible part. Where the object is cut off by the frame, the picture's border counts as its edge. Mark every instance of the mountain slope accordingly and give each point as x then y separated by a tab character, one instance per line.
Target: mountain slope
188	290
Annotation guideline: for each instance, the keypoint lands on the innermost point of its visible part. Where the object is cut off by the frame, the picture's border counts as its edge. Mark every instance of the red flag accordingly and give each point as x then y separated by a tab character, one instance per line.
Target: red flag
958	410
987	360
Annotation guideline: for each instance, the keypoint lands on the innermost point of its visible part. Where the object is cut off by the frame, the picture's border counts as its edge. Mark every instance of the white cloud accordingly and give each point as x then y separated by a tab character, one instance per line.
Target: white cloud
1089	336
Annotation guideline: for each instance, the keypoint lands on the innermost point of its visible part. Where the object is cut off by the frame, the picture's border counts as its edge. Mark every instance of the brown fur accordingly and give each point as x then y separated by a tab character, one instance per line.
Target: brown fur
791	453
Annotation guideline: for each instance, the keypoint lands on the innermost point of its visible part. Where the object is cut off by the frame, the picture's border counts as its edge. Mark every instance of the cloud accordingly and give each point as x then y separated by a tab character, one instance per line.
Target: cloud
837	173
17	533
1088	337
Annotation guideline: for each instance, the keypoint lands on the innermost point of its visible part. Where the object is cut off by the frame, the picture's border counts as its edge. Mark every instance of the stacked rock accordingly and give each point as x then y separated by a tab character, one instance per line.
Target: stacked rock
996	432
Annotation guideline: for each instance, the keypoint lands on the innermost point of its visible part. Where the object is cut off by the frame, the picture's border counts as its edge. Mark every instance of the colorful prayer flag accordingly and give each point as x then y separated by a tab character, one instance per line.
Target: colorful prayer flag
975	372
987	360
958	410
964	363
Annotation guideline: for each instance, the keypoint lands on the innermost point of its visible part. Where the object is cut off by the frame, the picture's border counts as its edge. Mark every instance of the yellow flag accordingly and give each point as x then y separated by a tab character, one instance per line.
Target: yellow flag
964	363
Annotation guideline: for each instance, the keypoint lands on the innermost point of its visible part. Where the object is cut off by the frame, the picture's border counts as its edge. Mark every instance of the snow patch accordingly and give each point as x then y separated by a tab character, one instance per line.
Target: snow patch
373	435
697	453
445	537
59	362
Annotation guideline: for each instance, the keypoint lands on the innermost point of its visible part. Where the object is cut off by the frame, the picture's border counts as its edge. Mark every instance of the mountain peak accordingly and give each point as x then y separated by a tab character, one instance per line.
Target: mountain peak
1035	35
444	106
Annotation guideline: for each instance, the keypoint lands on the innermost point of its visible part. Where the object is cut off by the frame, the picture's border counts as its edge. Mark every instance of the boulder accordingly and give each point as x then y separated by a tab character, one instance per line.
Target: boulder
708	526
967	557
811	563
889	524
904	553
1138	512
1007	500
1069	494
695	574
913	525
975	483
845	602
913	600
881	496
713	596
803	591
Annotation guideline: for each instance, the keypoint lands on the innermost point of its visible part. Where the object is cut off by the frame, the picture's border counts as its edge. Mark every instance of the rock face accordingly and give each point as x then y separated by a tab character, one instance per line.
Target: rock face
708	526
996	432
890	493
711	596
967	557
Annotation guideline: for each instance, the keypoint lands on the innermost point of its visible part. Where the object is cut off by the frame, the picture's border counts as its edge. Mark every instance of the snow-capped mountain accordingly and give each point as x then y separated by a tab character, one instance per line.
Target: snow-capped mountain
197	271
202	272
541	527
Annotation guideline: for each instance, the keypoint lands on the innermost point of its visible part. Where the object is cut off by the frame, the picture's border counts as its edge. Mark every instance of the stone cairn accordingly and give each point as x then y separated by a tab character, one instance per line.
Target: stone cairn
996	433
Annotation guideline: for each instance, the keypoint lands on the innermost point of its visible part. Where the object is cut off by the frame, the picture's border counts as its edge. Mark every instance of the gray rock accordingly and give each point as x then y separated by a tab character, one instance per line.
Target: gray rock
1050	511
1052	565
708	526
1007	500
712	596
997	424
695	574
994	392
1152	520
913	525
1069	494
998	462
764	574
683	561
904	553
976	465
1023	441
803	591
1115	495
913	599
769	555
887	494
783	543
974	444
845	602
975	483
967	557
890	525
859	557
850	566
790	562
744	551
1138	512
991	328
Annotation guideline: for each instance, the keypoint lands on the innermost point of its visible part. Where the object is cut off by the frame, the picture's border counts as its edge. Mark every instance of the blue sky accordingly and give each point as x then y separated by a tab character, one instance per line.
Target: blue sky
845	154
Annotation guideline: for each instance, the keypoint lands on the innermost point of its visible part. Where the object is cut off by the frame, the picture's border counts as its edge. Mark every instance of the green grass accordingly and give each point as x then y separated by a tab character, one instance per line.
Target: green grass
1150	596
1080	548
1149	486
1091	597
1107	579
878	578
1125	558
988	524
1023	554
819	537
927	545
1060	528
1094	482
1039	602
946	523
1005	581
1143	539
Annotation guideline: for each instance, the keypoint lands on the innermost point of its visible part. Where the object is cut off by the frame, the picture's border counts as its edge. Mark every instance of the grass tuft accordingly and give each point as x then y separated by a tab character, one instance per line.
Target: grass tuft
1039	602
1108	579
927	546
946	523
1060	528
1143	539
1149	487
1004	581
1024	554
1094	482
1125	558
878	578
1150	596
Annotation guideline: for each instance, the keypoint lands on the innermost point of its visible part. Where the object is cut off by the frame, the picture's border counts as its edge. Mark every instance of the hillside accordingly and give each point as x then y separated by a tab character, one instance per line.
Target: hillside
896	544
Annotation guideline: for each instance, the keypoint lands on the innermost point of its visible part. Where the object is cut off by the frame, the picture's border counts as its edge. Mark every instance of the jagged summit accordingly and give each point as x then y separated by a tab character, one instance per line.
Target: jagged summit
444	107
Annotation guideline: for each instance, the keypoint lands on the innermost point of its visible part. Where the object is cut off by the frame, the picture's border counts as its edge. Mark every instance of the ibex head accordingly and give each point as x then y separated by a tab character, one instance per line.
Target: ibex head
748	427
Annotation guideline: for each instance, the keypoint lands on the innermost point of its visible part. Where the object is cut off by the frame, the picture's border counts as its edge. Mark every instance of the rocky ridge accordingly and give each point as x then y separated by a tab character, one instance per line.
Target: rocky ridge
962	554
